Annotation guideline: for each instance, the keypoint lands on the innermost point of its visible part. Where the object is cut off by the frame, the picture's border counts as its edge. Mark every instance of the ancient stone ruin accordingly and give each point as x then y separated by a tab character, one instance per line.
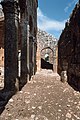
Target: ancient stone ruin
23	49
18	42
46	51
69	48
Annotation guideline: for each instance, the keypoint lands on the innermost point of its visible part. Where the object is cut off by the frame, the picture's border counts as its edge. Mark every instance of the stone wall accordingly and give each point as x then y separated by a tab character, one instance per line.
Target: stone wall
21	38
46	45
69	48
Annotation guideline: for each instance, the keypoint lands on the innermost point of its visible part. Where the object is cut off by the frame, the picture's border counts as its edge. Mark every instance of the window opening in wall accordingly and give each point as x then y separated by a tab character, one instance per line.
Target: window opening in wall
47	57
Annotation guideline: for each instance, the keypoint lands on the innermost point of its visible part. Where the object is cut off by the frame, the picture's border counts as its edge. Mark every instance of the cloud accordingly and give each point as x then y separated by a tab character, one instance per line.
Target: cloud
48	24
70	5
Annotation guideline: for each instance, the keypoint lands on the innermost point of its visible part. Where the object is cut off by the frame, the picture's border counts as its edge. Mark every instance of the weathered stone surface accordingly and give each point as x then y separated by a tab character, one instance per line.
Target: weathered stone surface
1	57
69	48
16	39
46	49
64	76
44	98
10	43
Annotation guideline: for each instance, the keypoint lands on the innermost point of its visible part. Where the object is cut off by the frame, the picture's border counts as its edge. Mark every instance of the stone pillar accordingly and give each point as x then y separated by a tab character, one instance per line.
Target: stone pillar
56	65
24	70
10	9
28	50
30	56
38	55
35	54
55	59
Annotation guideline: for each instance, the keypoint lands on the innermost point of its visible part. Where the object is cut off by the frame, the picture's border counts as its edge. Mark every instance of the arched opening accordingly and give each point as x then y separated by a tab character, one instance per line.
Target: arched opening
47	58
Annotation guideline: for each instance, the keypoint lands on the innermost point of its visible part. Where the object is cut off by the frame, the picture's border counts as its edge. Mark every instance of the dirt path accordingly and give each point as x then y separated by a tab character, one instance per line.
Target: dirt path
45	97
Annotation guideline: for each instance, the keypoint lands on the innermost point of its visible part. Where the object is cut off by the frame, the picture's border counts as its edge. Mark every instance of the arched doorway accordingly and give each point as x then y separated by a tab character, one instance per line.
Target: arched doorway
47	59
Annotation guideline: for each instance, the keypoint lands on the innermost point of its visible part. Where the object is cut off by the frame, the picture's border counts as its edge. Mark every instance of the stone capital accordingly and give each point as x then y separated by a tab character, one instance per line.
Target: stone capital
10	6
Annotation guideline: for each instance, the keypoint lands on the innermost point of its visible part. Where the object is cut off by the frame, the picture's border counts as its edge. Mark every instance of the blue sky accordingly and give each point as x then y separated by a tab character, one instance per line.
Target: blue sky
52	15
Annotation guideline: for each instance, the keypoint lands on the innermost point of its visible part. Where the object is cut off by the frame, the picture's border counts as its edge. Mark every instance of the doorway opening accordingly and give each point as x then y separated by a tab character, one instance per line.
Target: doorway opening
47	58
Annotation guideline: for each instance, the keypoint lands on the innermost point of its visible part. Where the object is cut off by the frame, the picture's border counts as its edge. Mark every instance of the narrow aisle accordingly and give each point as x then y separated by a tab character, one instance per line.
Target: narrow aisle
45	97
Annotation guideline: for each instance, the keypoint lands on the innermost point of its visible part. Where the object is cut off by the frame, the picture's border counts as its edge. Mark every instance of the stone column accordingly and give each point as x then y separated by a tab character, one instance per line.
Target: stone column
38	55
35	54
10	9
24	70
56	58
30	56
28	50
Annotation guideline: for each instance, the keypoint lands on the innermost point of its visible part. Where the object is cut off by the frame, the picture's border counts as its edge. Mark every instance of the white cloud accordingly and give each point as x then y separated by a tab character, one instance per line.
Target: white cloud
69	5
48	24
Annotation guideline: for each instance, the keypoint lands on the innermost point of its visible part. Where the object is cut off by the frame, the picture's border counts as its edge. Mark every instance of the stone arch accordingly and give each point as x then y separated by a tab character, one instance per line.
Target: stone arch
47	48
47	58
